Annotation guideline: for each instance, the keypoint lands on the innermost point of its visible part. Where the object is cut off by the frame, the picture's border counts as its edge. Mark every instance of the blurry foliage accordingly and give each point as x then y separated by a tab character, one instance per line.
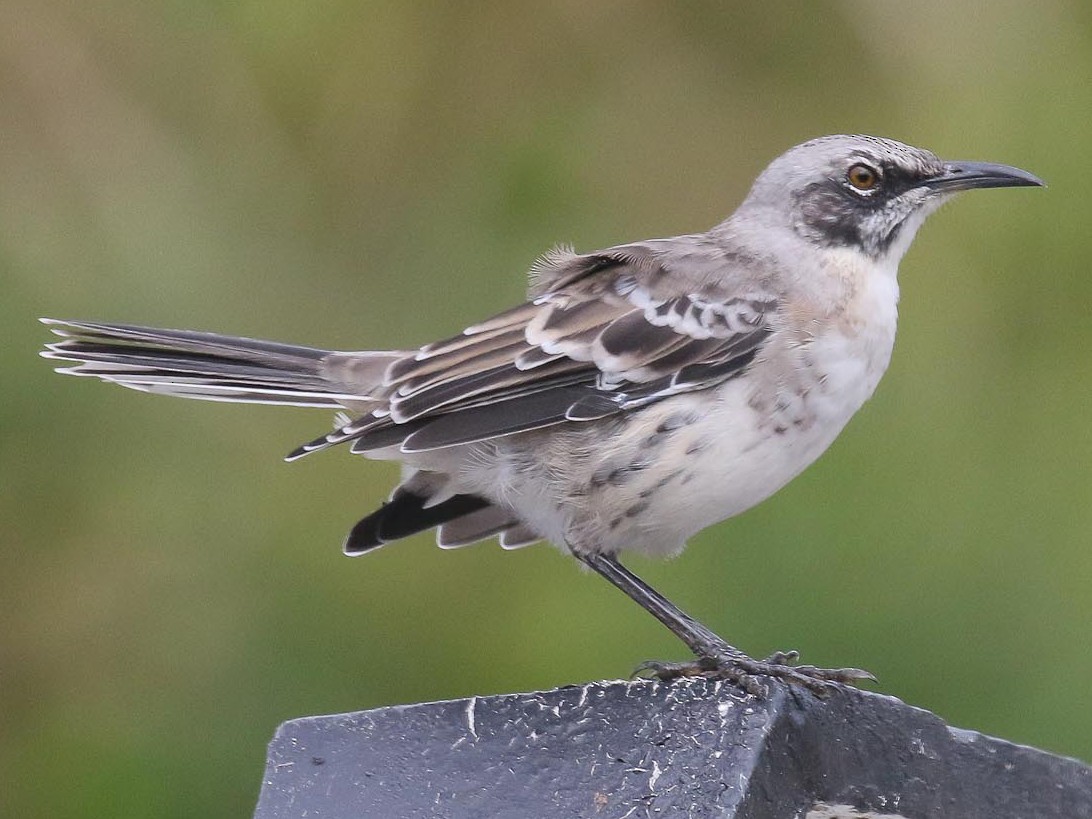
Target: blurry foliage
378	174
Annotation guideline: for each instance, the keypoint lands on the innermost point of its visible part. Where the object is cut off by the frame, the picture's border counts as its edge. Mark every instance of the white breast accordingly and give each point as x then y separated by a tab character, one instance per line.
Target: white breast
620	486
759	431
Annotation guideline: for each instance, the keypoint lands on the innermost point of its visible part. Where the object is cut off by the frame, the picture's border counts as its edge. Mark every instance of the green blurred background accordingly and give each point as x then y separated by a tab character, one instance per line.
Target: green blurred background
379	174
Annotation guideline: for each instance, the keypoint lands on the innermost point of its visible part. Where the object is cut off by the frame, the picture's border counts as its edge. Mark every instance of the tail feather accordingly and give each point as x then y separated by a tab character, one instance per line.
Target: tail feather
406	514
474	527
191	340
200	365
216	367
427	500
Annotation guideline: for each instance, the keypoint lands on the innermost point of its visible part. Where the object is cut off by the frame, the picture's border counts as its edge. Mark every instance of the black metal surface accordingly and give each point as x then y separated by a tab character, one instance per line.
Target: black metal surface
690	748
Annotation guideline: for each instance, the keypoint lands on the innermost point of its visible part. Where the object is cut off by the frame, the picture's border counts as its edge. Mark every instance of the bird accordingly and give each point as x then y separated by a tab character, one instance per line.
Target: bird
640	394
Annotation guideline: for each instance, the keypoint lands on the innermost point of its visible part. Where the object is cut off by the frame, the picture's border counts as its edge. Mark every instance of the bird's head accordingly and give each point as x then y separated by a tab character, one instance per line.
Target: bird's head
868	193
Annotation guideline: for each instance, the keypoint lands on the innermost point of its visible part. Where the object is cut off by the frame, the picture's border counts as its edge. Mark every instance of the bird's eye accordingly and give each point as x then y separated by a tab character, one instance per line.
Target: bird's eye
863	178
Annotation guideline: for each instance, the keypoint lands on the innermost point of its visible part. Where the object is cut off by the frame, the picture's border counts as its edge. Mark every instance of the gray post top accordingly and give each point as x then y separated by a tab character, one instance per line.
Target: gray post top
690	748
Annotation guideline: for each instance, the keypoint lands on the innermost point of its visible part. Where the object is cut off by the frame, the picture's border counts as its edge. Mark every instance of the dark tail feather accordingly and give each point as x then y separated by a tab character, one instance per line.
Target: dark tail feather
404	515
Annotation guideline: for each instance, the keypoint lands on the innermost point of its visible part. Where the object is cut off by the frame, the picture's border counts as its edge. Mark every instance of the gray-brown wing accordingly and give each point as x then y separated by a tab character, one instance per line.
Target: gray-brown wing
609	337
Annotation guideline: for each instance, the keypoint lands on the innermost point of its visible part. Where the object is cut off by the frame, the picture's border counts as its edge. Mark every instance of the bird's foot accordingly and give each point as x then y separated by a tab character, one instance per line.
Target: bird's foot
737	667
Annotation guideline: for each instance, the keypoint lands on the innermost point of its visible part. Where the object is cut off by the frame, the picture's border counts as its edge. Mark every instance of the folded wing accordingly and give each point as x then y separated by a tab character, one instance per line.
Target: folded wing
606	333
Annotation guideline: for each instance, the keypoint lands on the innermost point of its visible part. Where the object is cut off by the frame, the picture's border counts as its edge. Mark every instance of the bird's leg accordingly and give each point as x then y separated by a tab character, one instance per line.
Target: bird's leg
713	656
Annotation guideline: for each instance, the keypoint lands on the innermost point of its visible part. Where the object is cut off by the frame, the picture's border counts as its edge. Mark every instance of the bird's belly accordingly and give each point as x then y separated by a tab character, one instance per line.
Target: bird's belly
739	448
649	481
727	461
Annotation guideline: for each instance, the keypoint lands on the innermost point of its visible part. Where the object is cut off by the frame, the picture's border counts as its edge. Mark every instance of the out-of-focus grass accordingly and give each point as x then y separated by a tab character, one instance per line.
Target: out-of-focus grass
359	175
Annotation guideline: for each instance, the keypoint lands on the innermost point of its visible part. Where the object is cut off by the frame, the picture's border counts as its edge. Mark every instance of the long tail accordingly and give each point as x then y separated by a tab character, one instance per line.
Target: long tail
214	367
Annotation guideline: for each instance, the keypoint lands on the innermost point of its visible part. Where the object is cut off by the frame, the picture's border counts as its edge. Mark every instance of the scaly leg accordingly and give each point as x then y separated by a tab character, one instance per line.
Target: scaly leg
714	657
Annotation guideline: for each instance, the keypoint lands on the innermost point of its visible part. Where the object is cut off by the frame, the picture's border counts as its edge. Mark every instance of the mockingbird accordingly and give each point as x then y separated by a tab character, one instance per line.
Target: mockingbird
640	394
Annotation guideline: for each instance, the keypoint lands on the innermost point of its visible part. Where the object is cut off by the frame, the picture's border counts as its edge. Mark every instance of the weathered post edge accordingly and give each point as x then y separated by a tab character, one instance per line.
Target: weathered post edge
691	748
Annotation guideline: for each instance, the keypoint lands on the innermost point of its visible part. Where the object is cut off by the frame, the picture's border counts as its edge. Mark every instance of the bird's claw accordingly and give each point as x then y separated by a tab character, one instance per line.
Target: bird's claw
783	657
744	671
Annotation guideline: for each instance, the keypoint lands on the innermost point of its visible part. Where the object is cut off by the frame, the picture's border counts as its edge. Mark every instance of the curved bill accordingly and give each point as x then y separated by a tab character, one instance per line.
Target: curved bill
962	176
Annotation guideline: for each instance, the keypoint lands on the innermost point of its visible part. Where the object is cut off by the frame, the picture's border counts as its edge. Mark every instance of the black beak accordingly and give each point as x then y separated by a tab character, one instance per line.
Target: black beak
963	176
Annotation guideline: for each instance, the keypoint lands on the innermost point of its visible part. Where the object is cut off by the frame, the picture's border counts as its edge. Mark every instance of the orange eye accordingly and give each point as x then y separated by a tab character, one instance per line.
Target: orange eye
863	178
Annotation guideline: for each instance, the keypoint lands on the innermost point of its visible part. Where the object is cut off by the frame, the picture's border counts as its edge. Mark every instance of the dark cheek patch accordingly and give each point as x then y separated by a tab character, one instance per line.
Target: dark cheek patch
830	214
839	218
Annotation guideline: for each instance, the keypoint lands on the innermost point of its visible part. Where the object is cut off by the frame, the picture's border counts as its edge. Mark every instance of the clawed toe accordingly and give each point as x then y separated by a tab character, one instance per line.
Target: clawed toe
658	670
747	672
706	667
783	658
846	676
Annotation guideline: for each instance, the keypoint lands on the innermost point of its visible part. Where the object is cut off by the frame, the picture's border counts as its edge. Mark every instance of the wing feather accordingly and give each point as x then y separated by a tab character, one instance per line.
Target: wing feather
606	333
462	363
